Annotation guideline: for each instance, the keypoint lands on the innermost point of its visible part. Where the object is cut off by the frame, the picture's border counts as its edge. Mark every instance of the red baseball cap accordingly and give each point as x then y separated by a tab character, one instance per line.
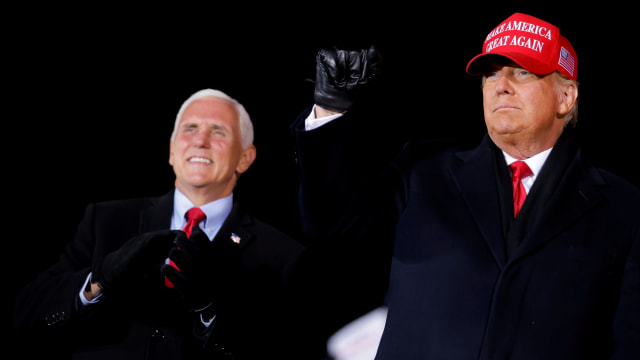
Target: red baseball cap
532	43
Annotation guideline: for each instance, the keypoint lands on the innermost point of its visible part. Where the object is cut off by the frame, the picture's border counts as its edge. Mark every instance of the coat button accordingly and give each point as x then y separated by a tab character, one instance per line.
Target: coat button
157	335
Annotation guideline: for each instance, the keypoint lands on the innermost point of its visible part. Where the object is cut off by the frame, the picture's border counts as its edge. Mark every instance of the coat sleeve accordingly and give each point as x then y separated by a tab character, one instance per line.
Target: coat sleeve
342	166
50	302
349	198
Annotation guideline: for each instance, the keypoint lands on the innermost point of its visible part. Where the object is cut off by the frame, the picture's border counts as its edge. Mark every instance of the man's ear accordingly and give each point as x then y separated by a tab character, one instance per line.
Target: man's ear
568	98
246	159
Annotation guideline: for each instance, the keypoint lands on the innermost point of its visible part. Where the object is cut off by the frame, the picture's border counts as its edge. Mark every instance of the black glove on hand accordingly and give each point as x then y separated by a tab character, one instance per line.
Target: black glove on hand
340	74
196	279
135	258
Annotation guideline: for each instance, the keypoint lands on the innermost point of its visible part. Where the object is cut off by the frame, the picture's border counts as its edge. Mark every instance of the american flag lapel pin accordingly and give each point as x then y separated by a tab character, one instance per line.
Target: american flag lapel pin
235	238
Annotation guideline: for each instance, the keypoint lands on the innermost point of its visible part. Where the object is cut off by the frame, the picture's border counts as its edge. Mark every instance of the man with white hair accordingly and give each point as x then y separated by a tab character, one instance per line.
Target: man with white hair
133	285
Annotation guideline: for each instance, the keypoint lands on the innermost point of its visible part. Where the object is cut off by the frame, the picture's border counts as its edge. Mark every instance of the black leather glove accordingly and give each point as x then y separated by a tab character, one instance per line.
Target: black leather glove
341	74
135	258
196	279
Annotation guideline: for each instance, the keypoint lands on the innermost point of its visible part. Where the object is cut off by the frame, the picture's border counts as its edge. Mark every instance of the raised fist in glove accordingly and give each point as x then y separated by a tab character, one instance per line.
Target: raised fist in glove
196	279
341	74
133	260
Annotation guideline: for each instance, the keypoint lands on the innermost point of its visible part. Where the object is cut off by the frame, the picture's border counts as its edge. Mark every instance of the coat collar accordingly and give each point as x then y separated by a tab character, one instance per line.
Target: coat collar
475	178
158	215
234	232
576	194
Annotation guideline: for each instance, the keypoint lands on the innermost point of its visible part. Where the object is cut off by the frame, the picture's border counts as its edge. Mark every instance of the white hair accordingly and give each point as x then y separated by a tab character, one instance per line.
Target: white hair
246	126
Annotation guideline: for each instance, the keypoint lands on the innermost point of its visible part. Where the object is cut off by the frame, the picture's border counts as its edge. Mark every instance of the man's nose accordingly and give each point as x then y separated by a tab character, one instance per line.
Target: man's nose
201	138
504	85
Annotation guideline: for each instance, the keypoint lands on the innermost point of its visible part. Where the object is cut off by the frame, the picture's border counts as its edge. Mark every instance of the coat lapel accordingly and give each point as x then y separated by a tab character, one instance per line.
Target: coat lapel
577	193
158	215
475	178
234	231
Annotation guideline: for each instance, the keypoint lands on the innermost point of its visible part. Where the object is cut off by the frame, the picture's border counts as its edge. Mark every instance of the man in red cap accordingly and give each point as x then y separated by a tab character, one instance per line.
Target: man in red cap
516	248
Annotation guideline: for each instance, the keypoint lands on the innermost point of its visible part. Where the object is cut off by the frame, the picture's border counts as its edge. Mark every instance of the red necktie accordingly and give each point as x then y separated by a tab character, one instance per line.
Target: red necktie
194	217
519	171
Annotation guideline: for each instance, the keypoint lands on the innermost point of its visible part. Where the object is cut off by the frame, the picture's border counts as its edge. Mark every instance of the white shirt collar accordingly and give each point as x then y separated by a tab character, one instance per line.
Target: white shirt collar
535	164
216	211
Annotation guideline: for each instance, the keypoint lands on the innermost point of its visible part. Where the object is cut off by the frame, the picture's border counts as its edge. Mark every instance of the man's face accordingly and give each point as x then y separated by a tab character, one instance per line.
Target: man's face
207	153
522	110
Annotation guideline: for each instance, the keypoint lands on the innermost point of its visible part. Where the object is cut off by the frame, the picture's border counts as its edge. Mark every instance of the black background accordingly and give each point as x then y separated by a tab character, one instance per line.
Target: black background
91	94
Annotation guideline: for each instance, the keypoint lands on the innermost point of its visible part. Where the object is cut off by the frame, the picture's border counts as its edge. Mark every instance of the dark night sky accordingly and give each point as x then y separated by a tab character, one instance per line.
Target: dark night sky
92	95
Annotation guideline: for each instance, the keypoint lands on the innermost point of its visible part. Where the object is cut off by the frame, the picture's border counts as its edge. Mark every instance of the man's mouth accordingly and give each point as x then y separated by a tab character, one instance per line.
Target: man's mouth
504	107
198	159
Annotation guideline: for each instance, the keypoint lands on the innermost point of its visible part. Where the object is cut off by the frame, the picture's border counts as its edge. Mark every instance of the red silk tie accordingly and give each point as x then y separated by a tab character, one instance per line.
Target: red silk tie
519	171
194	217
